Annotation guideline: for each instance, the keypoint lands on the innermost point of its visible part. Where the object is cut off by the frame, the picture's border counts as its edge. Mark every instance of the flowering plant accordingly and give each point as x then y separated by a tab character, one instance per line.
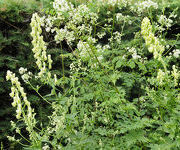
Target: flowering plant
115	94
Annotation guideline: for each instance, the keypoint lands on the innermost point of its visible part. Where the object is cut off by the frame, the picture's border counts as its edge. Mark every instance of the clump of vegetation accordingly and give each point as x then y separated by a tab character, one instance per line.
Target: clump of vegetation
118	82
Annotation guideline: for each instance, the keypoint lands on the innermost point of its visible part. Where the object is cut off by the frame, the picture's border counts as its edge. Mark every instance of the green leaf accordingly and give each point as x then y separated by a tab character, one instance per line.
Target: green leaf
1	79
131	64
142	66
119	63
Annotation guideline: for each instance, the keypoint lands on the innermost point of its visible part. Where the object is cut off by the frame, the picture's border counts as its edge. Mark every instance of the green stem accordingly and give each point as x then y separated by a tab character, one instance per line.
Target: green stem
38	92
113	22
172	46
24	138
62	60
23	144
1	146
164	65
122	29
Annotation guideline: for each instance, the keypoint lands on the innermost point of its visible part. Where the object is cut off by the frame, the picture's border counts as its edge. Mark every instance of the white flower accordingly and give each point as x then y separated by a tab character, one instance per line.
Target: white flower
101	34
9	74
176	53
163	20
48	29
11	138
119	16
176	74
46	147
50	61
62	34
160	76
143	6
135	56
18	111
22	70
55	79
62	5
83	48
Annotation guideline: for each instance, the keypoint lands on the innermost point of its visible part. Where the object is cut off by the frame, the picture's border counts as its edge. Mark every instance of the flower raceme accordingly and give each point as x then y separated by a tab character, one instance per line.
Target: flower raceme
176	74
39	50
152	42
157	49
20	101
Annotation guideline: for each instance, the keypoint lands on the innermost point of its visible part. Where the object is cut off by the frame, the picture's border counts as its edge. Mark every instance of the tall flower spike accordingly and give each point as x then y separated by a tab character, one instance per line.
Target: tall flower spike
152	42
39	45
176	74
20	101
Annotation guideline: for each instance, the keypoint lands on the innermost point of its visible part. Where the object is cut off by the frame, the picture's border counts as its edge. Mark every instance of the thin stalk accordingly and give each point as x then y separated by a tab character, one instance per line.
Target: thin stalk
1	145
10	24
95	31
122	29
62	60
38	93
164	65
171	46
24	138
22	144
74	95
113	21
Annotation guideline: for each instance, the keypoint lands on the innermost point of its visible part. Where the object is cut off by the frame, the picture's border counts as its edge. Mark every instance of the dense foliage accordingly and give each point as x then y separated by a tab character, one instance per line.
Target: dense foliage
118	82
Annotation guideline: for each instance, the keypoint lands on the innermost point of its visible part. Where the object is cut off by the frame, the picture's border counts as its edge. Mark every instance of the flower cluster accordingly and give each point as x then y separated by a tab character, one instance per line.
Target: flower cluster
134	53
101	34
62	6
62	34
46	147
78	67
78	22
84	49
48	22
116	37
145	5
16	90
152	42
176	53
39	46
57	121
175	74
163	20
119	3
20	101
100	51
83	13
25	75
126	18
160	77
